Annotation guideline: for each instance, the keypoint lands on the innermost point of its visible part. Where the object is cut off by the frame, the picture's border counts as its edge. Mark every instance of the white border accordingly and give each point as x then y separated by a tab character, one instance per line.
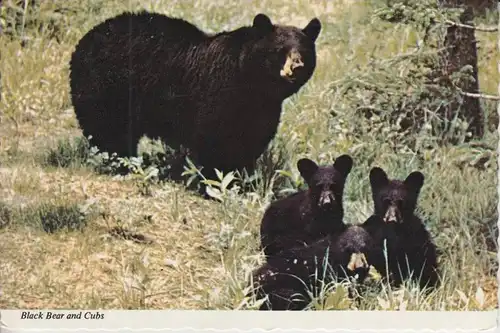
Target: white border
305	321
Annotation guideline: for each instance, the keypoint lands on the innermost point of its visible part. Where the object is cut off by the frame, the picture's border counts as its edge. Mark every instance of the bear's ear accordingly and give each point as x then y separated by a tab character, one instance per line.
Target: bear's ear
378	178
414	181
343	164
312	29
307	168
262	23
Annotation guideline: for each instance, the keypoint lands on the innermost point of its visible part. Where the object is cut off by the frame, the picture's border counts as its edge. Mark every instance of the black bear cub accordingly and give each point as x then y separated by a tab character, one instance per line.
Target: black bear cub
411	253
290	278
307	215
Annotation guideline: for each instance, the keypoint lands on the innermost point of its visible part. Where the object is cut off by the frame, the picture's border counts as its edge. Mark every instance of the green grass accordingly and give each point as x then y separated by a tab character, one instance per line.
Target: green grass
48	216
200	253
67	153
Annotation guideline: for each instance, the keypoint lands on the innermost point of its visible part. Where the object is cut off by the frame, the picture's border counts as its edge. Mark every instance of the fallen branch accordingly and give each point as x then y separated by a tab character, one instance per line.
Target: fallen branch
484	96
481	28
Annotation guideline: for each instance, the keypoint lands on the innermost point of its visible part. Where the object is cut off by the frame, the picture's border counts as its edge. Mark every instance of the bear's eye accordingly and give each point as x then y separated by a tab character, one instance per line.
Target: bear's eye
337	190
316	188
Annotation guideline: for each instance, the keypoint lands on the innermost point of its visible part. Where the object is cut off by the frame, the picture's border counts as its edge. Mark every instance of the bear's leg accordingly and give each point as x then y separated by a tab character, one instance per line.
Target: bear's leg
429	278
210	157
282	243
398	272
284	299
390	271
113	126
206	162
122	144
424	268
418	265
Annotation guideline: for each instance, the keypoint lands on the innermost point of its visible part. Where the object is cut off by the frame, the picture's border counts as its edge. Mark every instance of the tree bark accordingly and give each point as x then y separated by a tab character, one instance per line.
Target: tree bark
498	105
481	5
460	45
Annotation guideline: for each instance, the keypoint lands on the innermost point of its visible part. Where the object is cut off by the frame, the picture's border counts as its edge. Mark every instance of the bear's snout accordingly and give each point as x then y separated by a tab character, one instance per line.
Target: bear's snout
326	199
392	215
292	63
358	264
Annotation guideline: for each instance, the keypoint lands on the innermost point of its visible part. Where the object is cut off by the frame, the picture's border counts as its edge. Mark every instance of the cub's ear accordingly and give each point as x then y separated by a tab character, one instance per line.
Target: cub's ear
262	23
343	164
307	168
414	181
378	178
312	29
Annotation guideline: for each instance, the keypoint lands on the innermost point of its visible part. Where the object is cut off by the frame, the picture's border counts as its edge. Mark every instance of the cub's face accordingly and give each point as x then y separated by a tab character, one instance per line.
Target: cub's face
394	199
285	53
353	248
326	183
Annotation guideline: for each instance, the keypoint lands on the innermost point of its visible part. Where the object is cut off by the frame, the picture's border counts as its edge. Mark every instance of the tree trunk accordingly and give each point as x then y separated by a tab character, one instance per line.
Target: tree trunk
498	105
460	44
480	6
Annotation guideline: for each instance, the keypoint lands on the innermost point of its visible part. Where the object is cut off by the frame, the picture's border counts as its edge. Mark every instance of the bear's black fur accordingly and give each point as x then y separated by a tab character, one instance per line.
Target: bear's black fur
411	252
292	276
307	215
218	95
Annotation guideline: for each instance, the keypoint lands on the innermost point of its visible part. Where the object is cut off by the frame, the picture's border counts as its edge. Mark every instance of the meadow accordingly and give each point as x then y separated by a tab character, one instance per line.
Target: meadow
137	242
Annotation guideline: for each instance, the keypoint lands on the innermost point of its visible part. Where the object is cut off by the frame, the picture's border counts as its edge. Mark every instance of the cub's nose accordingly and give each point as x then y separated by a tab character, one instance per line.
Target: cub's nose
358	265
392	215
326	199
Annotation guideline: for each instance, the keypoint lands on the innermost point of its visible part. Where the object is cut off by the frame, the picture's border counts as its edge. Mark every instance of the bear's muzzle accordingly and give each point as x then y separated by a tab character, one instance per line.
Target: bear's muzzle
392	215
358	264
293	61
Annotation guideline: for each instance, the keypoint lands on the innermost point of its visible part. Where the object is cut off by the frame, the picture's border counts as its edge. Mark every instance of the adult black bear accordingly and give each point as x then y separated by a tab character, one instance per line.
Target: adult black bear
218	95
307	215
292	276
411	253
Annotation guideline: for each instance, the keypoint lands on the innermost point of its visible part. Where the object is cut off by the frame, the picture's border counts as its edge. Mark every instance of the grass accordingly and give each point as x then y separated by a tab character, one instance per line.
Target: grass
133	243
